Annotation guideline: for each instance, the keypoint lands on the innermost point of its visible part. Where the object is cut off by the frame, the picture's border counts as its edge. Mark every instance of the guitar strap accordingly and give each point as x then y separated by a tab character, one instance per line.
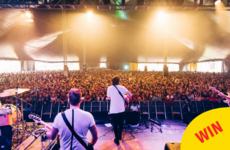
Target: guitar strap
71	146
73	132
121	95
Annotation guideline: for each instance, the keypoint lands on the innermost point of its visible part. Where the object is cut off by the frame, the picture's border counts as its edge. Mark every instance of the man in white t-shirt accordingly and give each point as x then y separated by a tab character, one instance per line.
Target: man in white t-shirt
135	107
83	121
117	107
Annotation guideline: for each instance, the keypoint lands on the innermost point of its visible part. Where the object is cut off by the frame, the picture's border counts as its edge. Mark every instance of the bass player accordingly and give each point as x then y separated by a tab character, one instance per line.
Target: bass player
80	120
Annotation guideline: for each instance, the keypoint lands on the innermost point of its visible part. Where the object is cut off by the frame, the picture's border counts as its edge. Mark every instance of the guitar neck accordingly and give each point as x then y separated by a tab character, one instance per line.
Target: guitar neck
47	125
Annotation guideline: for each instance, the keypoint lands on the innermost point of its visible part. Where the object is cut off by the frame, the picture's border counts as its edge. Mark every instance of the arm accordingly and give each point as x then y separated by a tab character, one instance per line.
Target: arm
129	95
52	135
93	131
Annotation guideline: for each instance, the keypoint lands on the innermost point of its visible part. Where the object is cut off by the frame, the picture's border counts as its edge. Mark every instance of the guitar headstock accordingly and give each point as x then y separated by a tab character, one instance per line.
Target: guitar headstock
213	88
35	118
101	89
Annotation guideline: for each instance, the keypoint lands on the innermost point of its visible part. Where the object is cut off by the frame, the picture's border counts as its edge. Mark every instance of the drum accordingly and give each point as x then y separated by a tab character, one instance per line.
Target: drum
8	115
5	117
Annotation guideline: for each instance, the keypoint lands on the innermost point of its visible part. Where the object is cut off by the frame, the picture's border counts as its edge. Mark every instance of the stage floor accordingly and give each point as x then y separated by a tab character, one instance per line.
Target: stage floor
172	132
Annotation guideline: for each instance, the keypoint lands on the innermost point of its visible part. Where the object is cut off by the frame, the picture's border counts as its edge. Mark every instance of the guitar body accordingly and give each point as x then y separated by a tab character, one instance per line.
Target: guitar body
127	100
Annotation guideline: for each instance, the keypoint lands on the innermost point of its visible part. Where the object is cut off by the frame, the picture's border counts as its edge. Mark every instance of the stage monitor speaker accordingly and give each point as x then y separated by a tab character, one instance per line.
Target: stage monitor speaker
146	68
101	117
188	117
165	70
132	117
106	2
5	137
172	146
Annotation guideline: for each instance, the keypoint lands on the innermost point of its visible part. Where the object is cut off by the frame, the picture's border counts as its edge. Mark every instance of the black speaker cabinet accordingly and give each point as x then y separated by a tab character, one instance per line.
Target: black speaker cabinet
5	137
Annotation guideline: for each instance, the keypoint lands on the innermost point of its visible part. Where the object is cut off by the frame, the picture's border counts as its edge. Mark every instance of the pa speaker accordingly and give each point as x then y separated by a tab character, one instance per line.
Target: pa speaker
172	146
84	67
165	70
5	137
146	68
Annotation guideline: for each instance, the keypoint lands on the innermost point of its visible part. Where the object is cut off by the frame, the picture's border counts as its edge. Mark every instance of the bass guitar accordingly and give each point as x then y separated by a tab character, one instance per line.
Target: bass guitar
39	120
222	95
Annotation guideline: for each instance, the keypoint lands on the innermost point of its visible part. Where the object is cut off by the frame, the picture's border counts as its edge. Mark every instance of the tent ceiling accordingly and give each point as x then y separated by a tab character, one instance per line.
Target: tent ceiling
116	36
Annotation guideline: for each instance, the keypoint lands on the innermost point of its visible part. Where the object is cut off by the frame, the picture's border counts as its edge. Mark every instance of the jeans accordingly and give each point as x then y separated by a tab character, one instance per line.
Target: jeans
118	120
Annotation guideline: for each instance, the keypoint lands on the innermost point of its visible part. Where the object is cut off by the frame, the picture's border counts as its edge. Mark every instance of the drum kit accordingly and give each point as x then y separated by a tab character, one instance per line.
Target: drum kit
10	115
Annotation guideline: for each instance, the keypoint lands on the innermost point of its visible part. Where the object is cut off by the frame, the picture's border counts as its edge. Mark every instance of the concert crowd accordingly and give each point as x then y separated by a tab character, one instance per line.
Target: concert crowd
53	86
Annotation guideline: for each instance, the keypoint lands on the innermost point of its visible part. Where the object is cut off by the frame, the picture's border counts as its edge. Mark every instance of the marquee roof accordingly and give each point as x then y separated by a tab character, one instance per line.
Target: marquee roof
116	36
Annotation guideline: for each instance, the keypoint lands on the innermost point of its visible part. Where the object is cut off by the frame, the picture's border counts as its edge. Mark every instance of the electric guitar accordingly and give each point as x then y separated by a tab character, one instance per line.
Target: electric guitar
222	95
126	98
39	120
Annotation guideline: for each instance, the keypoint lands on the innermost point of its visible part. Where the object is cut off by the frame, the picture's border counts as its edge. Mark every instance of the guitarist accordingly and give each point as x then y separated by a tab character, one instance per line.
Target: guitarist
81	121
116	93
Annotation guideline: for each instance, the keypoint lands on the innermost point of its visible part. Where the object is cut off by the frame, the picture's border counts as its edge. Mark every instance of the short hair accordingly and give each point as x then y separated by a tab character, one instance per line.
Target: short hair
74	98
115	80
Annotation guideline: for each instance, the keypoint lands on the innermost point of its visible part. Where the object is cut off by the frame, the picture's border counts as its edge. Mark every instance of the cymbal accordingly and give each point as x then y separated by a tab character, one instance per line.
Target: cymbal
11	92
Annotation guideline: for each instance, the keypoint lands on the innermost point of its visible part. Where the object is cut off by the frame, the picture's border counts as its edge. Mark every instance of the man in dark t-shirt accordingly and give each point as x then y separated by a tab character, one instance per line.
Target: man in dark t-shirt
183	97
205	95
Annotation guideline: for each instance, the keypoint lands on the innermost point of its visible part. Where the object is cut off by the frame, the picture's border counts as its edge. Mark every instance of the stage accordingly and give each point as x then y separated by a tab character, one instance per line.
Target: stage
172	132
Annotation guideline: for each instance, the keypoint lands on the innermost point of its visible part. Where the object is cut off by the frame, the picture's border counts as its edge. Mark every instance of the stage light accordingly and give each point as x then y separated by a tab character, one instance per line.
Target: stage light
217	2
26	15
161	16
89	14
126	67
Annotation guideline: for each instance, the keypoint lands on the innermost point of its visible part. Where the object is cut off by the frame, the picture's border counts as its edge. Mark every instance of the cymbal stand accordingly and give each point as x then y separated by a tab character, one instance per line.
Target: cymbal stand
24	123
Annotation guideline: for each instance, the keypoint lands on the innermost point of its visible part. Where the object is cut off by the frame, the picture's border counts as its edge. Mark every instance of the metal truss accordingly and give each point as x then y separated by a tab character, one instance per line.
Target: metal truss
131	5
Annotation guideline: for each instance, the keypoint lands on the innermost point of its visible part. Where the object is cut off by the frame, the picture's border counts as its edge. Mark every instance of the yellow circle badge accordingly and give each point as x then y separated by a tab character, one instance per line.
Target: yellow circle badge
208	131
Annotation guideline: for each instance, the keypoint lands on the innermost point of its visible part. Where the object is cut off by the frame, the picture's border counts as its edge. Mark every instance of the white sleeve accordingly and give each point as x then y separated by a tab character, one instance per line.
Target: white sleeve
108	95
138	106
124	90
91	120
57	121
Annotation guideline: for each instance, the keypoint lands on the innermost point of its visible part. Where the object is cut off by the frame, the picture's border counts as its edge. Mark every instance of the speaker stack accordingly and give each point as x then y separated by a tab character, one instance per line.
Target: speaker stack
84	67
146	68
165	70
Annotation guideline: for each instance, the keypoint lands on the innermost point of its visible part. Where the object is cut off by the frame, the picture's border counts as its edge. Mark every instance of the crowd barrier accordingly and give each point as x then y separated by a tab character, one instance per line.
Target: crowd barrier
151	108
